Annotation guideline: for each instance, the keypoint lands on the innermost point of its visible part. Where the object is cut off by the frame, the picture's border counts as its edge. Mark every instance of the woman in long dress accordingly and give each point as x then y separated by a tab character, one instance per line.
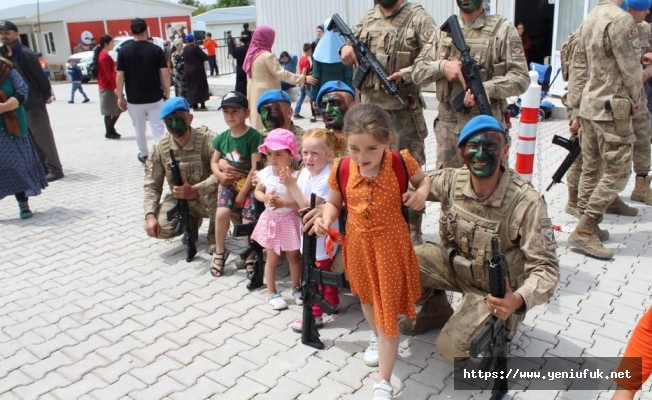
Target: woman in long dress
264	72
195	73
176	66
21	172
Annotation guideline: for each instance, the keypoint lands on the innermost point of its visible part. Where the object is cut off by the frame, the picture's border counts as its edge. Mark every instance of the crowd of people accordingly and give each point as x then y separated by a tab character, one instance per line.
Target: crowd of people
367	159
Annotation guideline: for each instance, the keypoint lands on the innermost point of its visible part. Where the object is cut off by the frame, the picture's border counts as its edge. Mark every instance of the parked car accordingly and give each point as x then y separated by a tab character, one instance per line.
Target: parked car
120	41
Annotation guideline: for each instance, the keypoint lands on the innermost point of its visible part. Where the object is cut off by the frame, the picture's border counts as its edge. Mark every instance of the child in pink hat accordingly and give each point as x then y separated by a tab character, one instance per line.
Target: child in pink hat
279	226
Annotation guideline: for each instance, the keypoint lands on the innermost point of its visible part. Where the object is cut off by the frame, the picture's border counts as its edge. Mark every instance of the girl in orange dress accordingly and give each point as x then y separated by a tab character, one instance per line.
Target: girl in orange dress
379	259
637	360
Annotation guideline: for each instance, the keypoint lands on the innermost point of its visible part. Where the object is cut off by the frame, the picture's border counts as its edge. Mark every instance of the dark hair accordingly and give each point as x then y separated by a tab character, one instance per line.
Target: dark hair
368	118
321	27
285	54
104	40
138	26
306	47
209	34
39	54
520	23
245	25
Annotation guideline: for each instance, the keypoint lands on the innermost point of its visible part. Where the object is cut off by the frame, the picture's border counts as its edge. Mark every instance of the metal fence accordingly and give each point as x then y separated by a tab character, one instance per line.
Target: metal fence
225	64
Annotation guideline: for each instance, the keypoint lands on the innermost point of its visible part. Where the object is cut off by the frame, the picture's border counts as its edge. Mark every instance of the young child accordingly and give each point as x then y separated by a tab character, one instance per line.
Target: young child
279	226
239	146
319	148
76	77
305	68
379	259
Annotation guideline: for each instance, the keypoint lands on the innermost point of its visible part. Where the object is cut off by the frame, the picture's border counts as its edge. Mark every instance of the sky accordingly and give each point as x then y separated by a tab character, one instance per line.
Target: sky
8	4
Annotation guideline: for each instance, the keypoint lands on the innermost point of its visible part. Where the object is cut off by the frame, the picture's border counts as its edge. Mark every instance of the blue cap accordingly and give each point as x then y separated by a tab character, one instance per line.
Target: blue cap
172	105
273	96
479	124
639	5
190	37
333	86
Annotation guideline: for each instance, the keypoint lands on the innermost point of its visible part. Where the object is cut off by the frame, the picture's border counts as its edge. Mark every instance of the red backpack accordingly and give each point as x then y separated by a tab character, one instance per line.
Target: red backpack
400	170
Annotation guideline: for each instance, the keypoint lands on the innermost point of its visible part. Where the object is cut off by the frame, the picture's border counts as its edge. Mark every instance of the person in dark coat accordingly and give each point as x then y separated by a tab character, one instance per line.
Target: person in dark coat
239	53
195	74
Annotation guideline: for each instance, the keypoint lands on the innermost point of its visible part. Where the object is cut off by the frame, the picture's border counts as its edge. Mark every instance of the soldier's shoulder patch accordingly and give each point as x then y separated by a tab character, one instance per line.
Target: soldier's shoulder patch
548	234
516	48
428	33
632	33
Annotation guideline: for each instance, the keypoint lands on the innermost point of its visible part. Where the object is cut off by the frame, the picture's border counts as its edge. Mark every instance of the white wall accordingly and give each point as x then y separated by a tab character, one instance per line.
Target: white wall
60	42
117	9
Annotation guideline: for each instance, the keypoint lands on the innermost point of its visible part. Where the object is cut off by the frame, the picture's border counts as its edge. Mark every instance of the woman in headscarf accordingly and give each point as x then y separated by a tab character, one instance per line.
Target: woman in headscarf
176	67
326	65
21	172
264	72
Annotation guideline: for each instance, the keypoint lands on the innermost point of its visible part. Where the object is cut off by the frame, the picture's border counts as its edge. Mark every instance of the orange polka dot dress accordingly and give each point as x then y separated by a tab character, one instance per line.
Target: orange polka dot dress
379	258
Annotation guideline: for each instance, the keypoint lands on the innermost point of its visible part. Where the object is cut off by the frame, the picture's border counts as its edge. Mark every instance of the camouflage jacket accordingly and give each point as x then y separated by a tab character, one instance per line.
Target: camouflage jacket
495	45
516	214
194	161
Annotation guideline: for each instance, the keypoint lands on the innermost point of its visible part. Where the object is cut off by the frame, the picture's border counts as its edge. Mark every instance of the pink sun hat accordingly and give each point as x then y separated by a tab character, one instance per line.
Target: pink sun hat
281	139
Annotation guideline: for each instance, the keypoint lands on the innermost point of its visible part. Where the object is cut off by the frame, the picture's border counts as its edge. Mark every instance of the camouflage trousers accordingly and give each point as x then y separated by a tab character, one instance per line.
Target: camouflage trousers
643	133
602	145
469	317
198	211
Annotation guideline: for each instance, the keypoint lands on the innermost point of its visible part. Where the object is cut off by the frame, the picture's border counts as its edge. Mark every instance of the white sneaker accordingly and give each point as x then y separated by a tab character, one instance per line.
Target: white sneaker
371	354
383	391
298	296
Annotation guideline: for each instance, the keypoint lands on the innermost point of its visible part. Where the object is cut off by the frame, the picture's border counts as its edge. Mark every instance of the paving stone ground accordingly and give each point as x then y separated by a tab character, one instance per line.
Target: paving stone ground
91	308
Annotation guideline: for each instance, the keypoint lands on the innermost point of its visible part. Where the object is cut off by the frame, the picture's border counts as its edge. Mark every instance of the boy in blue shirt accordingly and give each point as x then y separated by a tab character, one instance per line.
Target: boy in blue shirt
76	77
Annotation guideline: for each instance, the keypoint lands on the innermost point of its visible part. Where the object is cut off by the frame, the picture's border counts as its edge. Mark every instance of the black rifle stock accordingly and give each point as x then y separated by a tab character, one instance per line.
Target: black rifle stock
183	211
311	278
492	340
470	70
366	60
574	150
244	230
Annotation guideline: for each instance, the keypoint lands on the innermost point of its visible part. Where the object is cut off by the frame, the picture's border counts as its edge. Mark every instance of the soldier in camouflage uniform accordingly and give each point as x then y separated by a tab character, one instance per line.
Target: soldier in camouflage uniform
497	47
192	149
609	78
481	201
396	31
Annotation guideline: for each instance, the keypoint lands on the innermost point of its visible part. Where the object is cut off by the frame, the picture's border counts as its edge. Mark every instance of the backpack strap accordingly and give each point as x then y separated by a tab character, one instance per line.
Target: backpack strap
343	175
400	170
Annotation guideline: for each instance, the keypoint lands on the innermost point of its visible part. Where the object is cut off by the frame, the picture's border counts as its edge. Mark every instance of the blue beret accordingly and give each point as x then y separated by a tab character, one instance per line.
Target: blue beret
479	124
172	105
639	5
190	38
333	86
625	5
273	96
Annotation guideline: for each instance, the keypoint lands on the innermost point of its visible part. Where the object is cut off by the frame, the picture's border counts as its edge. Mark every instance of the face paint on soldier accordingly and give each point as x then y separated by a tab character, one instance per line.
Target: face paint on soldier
469	5
178	123
387	3
334	105
483	152
272	116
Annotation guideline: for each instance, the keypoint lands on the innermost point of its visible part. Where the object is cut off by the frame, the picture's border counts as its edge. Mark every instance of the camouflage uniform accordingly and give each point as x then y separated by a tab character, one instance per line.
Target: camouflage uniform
396	40
496	46
195	164
608	74
517	215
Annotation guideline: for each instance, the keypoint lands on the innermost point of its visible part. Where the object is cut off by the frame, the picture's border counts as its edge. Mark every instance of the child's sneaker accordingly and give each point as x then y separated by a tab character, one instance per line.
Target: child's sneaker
297	325
383	391
298	296
371	354
277	302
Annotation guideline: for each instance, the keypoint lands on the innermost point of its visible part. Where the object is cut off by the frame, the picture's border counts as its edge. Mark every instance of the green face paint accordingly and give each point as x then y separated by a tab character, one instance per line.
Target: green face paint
272	116
387	3
482	153
469	5
333	107
176	125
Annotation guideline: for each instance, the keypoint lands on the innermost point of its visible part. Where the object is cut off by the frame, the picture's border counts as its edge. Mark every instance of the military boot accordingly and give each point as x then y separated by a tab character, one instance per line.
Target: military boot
433	315
619	207
571	205
642	191
603	234
415	221
584	237
210	237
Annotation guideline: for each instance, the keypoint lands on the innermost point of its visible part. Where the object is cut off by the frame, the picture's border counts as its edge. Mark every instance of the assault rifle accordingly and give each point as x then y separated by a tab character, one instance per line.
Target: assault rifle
182	210
470	70
311	278
243	230
574	150
492	340
366	60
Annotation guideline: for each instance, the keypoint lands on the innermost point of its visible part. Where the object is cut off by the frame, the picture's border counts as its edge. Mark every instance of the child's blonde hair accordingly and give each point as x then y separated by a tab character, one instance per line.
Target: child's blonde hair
333	141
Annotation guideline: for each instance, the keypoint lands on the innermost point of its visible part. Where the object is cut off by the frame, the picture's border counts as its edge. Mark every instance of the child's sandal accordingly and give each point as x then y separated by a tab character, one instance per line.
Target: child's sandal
250	265
217	266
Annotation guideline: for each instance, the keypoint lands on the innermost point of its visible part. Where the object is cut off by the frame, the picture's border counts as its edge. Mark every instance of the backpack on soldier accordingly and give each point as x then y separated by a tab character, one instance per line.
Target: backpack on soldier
400	170
566	54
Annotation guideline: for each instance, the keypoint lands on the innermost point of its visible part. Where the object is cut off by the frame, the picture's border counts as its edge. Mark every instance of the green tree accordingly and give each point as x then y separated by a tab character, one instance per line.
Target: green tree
201	8
232	3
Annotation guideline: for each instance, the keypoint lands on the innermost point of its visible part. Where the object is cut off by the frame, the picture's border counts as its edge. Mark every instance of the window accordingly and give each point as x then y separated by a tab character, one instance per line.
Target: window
48	37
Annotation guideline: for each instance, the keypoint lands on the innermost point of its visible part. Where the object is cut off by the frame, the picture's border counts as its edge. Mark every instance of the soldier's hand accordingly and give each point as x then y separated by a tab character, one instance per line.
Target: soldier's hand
348	57
469	99
647	59
505	307
575	127
414	200
226	178
152	227
310	217
184	192
230	169
453	72
396	77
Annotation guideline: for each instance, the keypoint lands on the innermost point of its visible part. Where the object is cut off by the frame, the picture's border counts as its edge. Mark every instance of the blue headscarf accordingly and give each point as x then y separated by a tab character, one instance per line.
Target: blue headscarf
327	50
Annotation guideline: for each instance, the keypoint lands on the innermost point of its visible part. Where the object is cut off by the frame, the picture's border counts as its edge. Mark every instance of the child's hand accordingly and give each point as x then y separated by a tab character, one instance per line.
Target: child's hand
240	199
321	226
414	200
254	178
226	179
286	177
276	202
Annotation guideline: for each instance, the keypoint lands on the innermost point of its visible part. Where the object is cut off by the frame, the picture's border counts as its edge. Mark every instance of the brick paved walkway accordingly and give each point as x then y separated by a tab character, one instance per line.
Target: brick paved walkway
91	308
